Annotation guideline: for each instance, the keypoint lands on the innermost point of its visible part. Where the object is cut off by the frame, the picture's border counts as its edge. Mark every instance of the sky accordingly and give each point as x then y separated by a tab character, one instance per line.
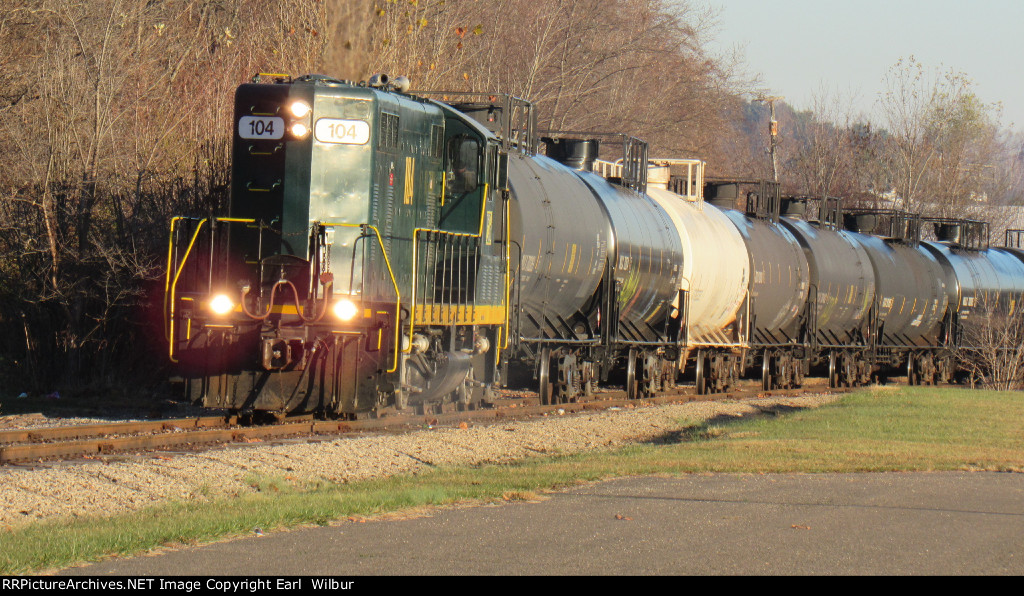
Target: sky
804	49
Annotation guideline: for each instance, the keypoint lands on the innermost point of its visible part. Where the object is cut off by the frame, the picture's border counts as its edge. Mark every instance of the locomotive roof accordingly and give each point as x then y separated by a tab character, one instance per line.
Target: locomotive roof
470	122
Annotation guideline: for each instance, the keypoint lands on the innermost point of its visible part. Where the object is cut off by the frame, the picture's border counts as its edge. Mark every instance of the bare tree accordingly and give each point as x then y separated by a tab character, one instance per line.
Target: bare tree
824	158
992	351
941	142
116	114
633	66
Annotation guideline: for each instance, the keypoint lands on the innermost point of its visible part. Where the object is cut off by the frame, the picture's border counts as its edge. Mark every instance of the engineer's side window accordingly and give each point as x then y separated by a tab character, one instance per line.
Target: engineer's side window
463	160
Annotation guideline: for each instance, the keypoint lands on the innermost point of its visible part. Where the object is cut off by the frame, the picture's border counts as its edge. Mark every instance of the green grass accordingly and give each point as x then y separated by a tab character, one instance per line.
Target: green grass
873	430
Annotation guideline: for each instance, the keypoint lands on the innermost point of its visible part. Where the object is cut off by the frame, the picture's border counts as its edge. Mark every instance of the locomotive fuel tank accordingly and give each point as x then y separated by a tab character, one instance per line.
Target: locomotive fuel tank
842	283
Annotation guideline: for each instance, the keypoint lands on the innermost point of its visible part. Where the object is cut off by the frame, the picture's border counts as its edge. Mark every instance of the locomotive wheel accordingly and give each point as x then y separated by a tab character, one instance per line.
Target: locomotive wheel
401	399
462	396
544	377
466	396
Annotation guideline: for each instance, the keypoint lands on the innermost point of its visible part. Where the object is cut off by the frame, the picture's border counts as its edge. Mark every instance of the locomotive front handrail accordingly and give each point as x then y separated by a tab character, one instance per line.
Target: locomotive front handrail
391	273
170	289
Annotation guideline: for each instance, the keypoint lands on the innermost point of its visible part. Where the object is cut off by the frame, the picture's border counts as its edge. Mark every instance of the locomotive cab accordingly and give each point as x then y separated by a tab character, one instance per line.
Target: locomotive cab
351	270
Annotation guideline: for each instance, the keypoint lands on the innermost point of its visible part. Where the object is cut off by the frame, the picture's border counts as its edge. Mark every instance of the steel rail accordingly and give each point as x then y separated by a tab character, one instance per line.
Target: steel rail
90	441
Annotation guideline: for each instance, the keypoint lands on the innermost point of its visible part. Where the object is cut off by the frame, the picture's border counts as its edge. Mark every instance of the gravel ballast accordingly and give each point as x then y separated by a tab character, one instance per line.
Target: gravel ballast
108	488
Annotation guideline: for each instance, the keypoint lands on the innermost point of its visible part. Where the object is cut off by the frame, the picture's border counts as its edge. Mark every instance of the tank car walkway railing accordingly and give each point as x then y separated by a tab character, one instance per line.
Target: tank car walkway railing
630	170
690	186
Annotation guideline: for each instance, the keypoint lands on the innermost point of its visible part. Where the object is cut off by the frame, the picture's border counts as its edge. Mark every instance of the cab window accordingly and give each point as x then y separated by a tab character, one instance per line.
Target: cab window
463	157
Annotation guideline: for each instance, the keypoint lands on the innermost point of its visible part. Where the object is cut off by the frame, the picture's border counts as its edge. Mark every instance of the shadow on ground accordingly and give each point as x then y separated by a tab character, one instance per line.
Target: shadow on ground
705	429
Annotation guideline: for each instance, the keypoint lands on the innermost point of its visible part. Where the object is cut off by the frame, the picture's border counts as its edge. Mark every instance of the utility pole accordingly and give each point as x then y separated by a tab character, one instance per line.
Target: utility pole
773	130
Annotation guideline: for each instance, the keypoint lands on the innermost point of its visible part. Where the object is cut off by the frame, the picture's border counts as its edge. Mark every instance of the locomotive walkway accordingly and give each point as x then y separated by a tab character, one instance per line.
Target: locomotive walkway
838	524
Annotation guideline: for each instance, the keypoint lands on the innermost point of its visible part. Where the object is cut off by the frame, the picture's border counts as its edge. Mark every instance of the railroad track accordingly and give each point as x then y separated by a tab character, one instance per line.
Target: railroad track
88	441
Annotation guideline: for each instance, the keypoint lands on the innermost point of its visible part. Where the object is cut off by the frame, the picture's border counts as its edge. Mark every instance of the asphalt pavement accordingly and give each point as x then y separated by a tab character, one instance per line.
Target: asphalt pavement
946	523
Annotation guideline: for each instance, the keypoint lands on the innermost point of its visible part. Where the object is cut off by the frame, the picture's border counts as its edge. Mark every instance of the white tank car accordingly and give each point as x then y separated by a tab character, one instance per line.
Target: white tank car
716	268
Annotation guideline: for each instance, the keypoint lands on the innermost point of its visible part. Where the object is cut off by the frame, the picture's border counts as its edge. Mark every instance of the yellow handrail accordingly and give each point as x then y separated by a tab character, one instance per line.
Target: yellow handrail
503	344
478	235
171	288
387	261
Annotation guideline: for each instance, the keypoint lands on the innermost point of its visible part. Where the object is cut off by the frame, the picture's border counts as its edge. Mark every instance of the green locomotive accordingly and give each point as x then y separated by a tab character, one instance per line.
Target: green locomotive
363	262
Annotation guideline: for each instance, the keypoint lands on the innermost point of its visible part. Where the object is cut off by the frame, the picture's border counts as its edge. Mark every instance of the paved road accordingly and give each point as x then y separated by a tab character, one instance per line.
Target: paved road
920	523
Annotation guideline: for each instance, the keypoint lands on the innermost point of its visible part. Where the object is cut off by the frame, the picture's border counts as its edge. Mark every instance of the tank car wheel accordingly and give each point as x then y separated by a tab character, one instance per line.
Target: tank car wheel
720	367
544	377
913	376
927	369
783	371
631	380
944	370
766	371
567	389
833	372
668	374
701	373
848	370
732	372
587	380
651	377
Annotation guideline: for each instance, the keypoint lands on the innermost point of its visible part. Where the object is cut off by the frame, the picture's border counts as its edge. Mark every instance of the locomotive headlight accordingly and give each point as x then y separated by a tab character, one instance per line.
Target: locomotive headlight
221	304
345	309
300	130
299	109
